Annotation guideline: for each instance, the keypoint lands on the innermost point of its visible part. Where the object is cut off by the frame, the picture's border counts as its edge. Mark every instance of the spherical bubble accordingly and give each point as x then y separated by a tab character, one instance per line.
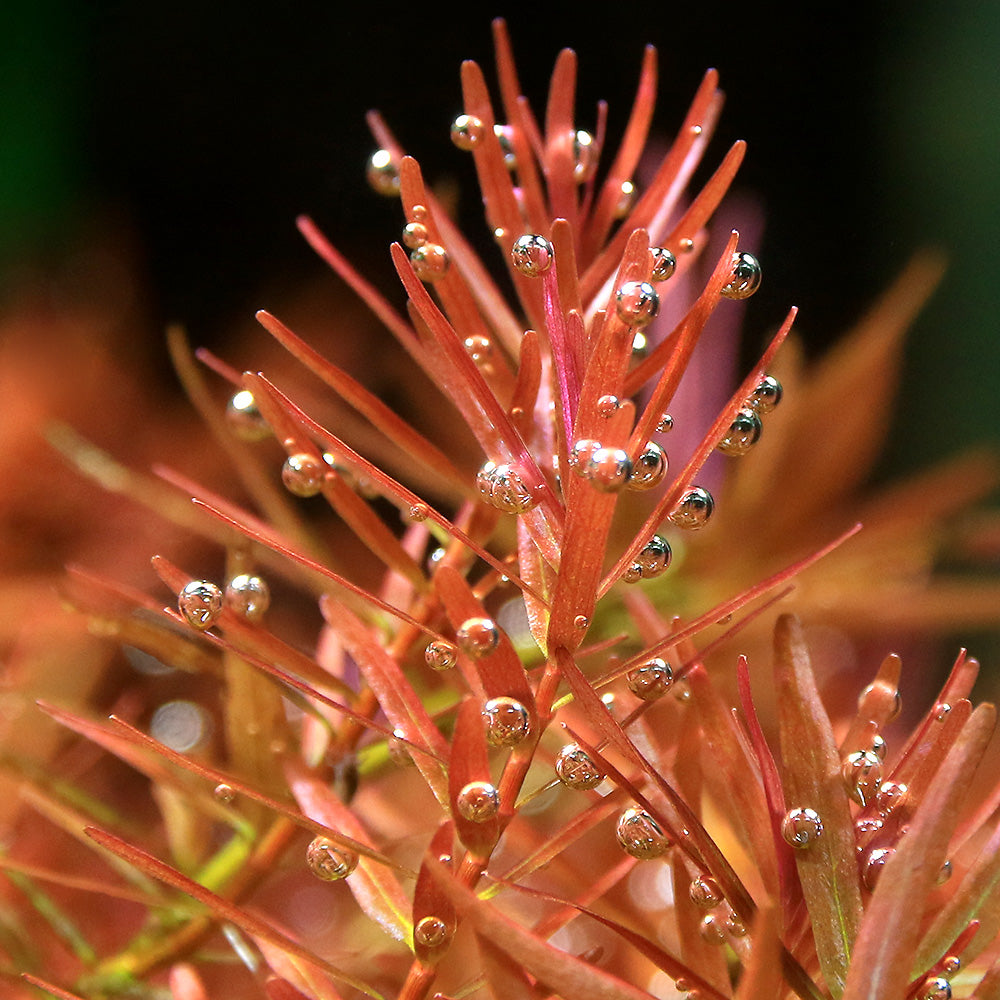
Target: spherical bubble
640	835
935	988
626	198
581	452
651	679
654	557
430	261
502	487
576	769
478	637
507	722
664	263
248	595
414	235
746	276
713	928
862	774
875	862
200	604
734	926
440	655
801	827
505	136
585	155
693	509
637	303
478	801
224	793
466	132
633	573
666	424
303	475
743	434
609	469
705	892
944	872
244	417
766	396
383	174
431	932
329	861
608	405
650	467
532	255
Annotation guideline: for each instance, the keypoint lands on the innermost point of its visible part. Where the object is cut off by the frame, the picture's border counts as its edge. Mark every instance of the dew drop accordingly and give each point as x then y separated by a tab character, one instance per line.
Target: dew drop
478	637
637	303
666	424
890	796
705	892
897	703
876	861
693	509
682	690
640	835
244	417
650	467
200	604
303	475
430	261
383	174
801	827
862	774
414	235
249	596
466	132
532	255
935	988
507	722
576	769
224	793
431	932
626	198
609	469
743	434
651	679
664	263
766	396
440	655
478	801
585	155
607	406
746	276
713	928
329	861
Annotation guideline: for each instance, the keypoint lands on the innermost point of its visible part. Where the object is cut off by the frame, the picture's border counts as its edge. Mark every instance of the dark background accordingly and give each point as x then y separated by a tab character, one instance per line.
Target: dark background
202	130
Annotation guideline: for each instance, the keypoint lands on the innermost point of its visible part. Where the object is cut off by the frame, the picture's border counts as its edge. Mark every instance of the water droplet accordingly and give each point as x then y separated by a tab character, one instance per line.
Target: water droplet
607	406
478	637
877	860
249	596
666	424
944	872
746	276
935	988
950	965
329	861
505	135
664	263
507	722
640	835
576	769
478	801
581	452
224	793
303	475
431	932
609	469
532	254
626	198
414	235
743	434
581	621
890	796
466	131
383	174
713	928
705	892
654	557
651	679
862	773
801	827
633	574
693	509
637	303
245	418
440	655
429	261
585	155
200	604
418	512
502	487
650	467
766	396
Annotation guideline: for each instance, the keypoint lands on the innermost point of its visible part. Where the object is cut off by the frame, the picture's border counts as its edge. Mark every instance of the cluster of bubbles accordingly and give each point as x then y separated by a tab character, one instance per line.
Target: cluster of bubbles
200	602
745	430
502	487
719	922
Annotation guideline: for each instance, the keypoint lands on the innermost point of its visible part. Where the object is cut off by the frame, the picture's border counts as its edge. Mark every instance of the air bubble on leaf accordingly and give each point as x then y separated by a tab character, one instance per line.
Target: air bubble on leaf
478	801
507	722
734	926
713	928
608	406
950	965
743	434
866	826
581	621
890	795
245	418
431	932
664	263
440	655
479	347
935	988
532	255
650	680
467	132
766	395
609	469
414	235
640	835
576	769
705	892
505	136
383	174
897	704
503	487
653	559
694	509
430	262
200	604
874	863
418	512
581	452
666	424
879	747
801	827
249	596
637	303
745	278
649	468
224	793
478	637
585	155
329	861
303	475
626	199
862	774
944	872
